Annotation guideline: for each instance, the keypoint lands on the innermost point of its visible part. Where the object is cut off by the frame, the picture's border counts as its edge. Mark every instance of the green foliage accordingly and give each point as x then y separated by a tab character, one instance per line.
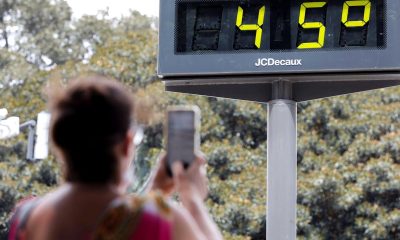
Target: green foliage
130	58
348	167
7	200
40	29
348	146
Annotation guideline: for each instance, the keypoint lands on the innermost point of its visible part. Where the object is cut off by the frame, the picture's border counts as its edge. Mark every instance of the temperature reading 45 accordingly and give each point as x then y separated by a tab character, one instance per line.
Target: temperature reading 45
280	25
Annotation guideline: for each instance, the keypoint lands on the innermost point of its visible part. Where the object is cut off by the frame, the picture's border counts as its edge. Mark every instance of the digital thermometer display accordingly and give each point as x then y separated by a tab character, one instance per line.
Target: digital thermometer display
274	25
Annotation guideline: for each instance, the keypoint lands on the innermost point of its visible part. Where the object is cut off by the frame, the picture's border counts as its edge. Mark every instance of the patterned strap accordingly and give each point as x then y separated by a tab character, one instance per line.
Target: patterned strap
20	218
119	220
122	217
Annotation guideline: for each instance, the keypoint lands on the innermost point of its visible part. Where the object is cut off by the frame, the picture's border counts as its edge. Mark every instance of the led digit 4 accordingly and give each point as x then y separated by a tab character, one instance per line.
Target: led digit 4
252	27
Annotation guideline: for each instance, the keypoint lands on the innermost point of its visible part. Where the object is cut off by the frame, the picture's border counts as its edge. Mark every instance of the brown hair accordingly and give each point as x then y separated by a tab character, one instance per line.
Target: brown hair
89	118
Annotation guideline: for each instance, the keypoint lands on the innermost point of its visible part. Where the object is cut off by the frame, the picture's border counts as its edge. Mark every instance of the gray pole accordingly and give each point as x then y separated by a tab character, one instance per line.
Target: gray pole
282	165
31	125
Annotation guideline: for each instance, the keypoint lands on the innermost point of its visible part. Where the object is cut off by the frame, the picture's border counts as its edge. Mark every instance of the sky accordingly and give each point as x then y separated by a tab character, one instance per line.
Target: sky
116	7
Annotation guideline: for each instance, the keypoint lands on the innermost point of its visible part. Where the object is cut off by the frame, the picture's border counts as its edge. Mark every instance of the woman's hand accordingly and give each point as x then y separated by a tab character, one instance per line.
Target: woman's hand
161	181
191	184
192	187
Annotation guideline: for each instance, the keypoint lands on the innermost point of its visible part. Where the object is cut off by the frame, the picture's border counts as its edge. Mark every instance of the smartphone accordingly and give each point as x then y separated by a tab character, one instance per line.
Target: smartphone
183	135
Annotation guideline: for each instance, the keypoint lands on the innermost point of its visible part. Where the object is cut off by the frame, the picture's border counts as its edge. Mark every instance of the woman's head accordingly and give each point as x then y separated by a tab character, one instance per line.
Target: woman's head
90	128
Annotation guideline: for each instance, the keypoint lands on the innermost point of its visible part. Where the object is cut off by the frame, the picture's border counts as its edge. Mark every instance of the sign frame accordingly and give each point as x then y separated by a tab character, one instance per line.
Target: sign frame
174	65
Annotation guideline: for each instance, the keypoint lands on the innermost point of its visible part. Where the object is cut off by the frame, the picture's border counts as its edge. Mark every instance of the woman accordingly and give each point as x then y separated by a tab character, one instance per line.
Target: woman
92	133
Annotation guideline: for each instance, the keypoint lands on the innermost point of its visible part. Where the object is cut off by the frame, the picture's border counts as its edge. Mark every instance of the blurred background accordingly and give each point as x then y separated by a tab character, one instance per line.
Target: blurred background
348	146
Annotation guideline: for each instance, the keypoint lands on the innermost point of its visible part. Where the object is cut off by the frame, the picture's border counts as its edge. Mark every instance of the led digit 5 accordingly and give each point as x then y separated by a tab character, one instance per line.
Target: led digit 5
311	25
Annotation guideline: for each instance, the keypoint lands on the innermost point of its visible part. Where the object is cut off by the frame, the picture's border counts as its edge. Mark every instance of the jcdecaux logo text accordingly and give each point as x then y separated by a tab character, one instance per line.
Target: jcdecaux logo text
264	62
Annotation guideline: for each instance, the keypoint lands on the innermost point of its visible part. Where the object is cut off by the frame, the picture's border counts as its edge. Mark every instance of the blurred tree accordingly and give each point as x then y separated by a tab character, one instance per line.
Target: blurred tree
349	184
7	8
39	30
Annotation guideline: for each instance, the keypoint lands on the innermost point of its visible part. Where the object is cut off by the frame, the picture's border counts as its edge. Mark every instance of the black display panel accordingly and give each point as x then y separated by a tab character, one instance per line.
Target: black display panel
279	25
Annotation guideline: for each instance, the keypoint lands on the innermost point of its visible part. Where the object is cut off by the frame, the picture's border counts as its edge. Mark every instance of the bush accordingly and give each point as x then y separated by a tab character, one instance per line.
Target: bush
8	196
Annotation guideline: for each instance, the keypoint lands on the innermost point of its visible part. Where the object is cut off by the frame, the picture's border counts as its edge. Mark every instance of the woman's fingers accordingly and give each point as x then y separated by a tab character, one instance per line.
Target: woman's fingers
201	157
162	162
177	172
161	180
197	164
177	168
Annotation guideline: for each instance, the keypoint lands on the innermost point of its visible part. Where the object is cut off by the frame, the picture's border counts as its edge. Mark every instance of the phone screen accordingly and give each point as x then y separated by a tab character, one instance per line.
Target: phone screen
182	137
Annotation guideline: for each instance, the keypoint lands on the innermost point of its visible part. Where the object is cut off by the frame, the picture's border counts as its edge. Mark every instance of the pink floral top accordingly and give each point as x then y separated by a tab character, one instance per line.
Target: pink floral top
129	218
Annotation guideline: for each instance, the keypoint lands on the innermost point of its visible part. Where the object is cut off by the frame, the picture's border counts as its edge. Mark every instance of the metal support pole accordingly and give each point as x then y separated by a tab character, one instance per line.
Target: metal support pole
282	165
31	144
31	125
